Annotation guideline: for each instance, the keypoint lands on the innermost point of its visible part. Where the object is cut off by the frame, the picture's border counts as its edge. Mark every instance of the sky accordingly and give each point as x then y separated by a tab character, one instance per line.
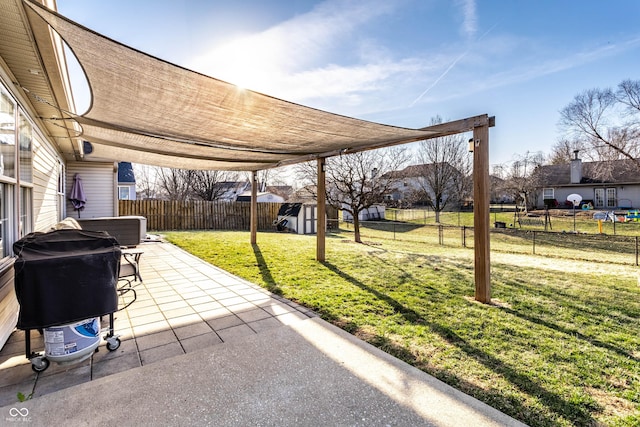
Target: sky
398	62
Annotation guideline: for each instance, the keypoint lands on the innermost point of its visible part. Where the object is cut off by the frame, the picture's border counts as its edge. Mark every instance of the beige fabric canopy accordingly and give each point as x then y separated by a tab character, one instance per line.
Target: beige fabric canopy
146	110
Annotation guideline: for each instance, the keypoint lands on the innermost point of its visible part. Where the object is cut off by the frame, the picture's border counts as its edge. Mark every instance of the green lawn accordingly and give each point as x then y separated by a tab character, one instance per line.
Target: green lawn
560	346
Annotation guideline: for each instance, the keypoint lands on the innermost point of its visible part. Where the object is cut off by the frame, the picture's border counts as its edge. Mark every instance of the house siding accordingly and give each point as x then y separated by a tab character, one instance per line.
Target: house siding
99	184
46	198
629	196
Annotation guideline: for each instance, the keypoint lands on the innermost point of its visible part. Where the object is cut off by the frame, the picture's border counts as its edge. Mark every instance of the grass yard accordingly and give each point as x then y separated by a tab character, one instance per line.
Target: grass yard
560	346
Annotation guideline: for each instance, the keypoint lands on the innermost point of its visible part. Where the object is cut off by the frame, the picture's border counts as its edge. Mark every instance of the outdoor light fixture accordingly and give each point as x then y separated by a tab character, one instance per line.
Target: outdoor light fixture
471	145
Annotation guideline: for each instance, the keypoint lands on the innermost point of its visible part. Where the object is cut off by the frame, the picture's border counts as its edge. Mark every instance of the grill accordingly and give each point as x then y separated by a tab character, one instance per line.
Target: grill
65	278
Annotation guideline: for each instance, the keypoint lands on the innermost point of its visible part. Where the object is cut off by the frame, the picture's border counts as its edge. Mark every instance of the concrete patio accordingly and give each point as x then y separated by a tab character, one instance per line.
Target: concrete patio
201	346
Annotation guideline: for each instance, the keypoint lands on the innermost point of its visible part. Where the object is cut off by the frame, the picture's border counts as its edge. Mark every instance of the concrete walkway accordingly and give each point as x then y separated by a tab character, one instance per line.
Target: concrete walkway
203	347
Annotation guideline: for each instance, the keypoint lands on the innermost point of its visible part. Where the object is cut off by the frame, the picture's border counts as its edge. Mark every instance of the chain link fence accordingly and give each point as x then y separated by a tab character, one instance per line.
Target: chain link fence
614	249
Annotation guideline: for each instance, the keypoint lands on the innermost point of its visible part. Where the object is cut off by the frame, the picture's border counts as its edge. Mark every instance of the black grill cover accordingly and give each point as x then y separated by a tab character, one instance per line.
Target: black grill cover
65	276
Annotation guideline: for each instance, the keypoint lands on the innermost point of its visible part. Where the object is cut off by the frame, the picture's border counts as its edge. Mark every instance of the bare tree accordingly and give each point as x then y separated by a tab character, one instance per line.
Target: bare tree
607	122
445	173
176	184
146	177
357	181
206	184
520	179
268	177
563	151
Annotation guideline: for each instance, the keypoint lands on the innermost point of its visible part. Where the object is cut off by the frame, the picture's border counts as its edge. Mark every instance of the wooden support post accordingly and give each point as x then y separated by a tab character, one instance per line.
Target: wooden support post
322	217
254	207
481	214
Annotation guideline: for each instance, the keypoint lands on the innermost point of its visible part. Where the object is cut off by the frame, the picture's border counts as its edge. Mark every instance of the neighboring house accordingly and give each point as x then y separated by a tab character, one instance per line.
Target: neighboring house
411	186
126	181
499	194
306	194
284	191
604	185
261	198
230	190
38	156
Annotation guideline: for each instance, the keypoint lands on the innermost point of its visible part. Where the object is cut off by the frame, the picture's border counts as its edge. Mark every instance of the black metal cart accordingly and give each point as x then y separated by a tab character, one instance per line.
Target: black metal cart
66	276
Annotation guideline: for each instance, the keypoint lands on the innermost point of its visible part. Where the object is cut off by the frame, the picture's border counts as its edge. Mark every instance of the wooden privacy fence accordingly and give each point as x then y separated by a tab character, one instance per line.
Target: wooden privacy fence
199	214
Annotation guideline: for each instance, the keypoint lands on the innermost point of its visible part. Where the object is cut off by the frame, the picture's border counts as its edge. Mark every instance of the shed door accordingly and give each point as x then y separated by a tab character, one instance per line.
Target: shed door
309	219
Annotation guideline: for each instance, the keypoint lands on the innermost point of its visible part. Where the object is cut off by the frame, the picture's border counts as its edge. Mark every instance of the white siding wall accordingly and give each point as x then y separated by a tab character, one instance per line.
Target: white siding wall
45	186
100	186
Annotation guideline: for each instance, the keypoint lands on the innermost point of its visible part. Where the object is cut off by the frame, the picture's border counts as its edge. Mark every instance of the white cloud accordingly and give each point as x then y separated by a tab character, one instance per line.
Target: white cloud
469	17
303	41
321	59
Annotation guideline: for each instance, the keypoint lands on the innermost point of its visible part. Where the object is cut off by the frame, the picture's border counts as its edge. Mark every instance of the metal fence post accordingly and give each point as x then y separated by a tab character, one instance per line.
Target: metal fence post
534	242
636	251
464	236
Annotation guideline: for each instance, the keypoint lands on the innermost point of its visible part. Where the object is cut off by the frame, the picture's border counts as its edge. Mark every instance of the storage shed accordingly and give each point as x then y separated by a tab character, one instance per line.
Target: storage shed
300	218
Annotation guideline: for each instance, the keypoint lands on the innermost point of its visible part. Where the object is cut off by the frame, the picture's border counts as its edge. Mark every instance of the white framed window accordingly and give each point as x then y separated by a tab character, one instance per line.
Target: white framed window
605	198
26	211
25	151
7	236
124	192
598	199
16	172
60	192
610	197
7	134
548	193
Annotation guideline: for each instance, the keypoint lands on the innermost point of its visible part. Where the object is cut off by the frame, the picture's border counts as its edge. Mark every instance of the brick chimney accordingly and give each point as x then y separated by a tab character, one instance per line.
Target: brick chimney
576	169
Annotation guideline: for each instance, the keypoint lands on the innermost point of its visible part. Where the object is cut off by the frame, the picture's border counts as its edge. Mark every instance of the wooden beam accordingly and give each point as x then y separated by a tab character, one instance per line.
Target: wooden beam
435	131
481	216
254	207
322	218
460	126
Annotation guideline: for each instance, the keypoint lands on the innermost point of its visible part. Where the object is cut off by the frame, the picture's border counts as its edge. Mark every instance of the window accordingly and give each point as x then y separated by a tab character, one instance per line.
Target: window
60	192
26	216
605	198
16	173
7	134
6	224
123	192
547	193
611	197
25	170
25	153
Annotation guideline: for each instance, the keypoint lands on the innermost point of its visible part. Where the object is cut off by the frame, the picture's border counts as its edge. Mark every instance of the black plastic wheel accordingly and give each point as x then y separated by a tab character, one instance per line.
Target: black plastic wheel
115	346
40	367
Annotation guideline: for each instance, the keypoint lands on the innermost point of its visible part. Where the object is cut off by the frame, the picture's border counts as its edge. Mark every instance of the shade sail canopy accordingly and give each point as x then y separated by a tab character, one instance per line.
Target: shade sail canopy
146	110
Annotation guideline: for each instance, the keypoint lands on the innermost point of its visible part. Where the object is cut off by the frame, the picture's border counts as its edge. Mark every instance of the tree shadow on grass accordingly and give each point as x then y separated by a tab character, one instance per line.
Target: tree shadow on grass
567	300
571	332
390	226
267	277
575	412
